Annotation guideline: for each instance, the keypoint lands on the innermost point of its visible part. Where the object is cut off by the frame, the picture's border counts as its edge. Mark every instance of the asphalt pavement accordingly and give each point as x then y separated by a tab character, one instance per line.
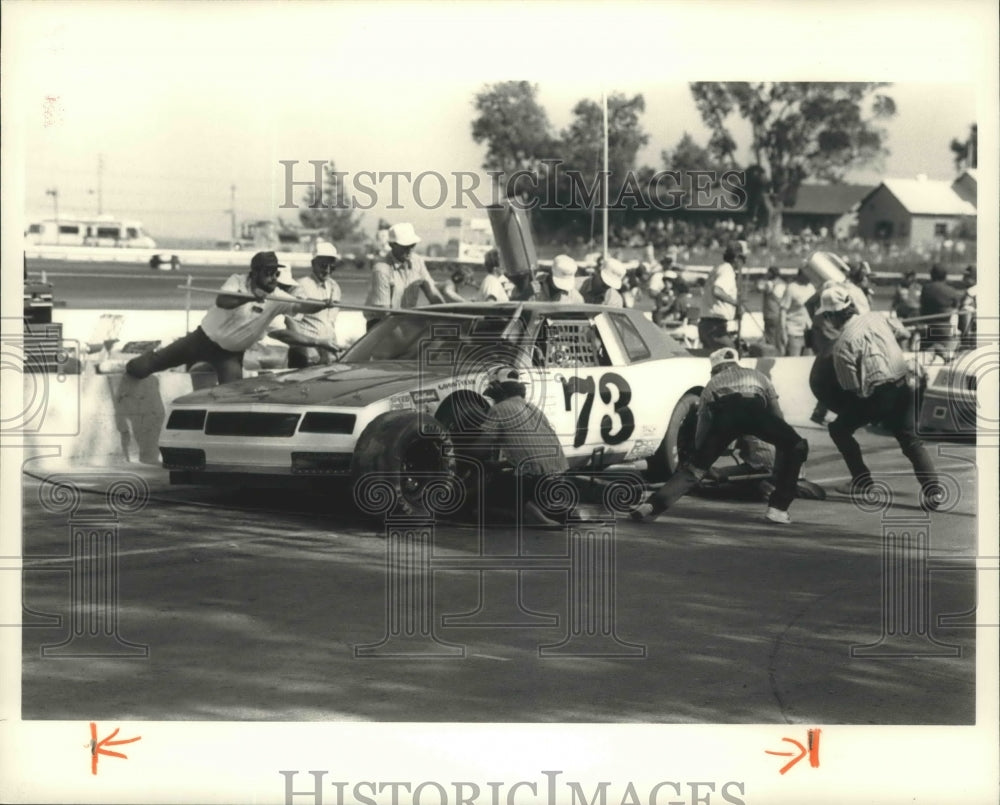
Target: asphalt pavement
238	605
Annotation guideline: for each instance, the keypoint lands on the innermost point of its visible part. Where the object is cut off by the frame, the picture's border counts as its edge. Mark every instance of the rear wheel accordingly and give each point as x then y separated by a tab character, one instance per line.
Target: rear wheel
678	442
408	450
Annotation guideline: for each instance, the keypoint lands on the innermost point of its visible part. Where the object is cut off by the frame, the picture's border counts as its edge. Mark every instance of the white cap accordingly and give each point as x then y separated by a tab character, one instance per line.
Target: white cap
724	355
326	249
403	234
285	276
564	272
834	299
613	273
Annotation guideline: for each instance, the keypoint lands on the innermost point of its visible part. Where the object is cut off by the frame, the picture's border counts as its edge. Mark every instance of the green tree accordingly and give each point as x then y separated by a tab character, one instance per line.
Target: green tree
798	130
332	213
685	158
513	125
965	152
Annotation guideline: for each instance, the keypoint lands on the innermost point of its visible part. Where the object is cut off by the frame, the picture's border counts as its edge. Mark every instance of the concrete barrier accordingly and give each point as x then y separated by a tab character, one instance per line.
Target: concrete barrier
94	327
114	418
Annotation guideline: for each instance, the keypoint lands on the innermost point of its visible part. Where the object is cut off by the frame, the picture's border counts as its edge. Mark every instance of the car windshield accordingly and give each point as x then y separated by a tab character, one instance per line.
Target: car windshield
405	337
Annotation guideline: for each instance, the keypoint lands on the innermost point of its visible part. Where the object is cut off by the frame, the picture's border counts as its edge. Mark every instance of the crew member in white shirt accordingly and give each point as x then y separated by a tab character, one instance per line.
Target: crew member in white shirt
493	288
230	327
312	336
720	302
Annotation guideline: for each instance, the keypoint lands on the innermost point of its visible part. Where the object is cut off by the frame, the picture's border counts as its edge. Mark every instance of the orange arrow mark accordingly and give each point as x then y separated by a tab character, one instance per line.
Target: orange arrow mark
97	747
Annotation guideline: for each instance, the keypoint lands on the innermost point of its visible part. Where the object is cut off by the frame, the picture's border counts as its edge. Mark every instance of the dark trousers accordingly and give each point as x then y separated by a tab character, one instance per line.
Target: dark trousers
732	417
712	334
825	388
892	405
189	350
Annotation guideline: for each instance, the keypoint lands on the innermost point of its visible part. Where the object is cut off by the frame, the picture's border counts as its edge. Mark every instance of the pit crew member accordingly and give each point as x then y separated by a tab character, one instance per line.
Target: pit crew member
400	276
871	367
736	401
230	327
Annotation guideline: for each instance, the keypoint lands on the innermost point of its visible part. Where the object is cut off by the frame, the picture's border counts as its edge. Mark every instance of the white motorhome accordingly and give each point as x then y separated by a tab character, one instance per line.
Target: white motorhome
103	230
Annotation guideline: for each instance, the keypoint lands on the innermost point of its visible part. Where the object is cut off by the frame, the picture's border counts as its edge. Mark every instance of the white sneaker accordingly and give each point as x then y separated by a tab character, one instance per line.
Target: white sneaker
111	367
777	515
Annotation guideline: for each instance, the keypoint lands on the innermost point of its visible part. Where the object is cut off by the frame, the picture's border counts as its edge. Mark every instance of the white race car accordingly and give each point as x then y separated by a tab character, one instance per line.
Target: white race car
614	387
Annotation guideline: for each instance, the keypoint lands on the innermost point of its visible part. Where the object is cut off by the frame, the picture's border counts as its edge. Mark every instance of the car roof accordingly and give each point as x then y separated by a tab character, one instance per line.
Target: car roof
660	343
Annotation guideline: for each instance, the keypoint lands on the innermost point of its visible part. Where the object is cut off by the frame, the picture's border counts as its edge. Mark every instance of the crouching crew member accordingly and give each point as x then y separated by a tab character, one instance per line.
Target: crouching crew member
231	326
519	433
871	368
736	401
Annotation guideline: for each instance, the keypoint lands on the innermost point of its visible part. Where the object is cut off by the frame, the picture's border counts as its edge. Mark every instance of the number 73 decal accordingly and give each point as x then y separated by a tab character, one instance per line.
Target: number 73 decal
614	429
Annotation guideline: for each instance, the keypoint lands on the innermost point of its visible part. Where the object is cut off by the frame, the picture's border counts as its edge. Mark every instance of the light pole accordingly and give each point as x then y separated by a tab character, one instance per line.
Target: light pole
54	192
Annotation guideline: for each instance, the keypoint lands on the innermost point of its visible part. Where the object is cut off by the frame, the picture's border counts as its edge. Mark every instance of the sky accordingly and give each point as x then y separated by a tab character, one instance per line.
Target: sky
182	101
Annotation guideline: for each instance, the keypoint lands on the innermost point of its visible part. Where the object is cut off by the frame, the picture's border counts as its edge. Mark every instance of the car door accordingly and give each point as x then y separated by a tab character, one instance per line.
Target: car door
587	394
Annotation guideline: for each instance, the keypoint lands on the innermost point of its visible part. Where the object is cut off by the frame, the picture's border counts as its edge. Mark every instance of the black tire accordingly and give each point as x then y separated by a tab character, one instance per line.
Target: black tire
402	447
678	442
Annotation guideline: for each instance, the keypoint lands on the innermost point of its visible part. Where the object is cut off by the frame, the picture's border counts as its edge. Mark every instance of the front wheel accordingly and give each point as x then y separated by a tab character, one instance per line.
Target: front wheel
412	453
678	442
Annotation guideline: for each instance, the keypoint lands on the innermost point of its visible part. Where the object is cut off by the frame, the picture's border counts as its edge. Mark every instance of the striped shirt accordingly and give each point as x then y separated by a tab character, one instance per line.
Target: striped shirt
736	379
867	353
396	284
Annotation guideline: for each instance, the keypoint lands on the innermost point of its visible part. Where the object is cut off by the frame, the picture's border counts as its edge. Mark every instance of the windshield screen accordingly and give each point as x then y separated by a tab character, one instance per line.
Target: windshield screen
403	337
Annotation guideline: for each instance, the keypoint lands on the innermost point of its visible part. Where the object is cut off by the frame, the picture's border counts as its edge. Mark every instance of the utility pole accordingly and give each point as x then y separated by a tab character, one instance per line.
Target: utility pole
232	215
54	192
607	179
100	183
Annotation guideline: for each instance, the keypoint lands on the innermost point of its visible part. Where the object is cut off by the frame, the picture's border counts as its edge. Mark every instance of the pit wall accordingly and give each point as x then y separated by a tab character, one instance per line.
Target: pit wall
100	419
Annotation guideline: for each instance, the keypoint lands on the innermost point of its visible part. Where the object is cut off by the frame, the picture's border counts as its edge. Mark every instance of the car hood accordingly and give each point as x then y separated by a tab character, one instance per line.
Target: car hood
355	385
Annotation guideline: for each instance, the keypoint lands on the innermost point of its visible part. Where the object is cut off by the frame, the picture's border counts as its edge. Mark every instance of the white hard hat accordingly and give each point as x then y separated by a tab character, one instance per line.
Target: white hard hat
285	276
403	235
564	272
834	299
613	273
326	249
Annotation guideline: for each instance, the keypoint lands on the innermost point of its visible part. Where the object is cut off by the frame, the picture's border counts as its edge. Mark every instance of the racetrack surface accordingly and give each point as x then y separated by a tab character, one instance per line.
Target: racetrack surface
252	605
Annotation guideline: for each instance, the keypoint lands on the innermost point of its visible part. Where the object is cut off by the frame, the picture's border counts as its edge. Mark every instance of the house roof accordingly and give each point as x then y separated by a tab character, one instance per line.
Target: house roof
927	197
972	173
827	199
